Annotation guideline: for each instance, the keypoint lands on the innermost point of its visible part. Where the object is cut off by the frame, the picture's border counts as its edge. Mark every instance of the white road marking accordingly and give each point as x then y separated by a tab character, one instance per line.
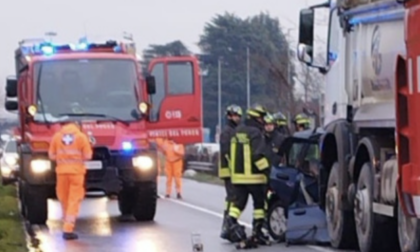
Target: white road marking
218	215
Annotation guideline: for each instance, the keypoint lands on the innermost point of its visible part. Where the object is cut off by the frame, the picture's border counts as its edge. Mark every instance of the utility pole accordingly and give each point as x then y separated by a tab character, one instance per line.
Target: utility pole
219	92
248	79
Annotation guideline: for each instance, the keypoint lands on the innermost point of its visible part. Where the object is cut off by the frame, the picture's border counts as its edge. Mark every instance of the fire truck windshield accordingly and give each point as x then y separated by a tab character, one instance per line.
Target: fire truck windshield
89	87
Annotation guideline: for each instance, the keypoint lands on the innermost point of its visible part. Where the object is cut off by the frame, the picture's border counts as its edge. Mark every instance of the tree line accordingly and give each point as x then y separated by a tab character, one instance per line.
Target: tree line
227	37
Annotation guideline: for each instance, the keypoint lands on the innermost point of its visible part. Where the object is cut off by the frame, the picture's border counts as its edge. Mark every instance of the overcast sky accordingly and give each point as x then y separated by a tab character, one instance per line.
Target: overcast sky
151	22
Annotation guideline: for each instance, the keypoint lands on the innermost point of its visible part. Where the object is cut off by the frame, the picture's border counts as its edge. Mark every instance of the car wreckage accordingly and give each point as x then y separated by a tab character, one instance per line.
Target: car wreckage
296	202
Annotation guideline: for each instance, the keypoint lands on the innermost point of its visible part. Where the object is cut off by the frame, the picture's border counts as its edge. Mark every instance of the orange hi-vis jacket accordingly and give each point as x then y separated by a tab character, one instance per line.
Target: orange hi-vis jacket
70	148
173	152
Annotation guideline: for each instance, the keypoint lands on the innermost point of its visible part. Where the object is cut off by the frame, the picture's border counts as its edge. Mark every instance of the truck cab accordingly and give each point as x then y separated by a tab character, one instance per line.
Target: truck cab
101	85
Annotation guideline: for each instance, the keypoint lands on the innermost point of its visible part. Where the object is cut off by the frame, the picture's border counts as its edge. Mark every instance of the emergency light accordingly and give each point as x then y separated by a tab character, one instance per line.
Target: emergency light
49	48
127	146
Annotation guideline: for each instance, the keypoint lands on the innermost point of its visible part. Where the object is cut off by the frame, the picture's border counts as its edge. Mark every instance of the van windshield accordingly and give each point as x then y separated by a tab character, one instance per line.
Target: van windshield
92	87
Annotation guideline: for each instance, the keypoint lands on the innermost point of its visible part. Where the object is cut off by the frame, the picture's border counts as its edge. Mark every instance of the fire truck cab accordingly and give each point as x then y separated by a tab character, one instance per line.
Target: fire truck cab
101	85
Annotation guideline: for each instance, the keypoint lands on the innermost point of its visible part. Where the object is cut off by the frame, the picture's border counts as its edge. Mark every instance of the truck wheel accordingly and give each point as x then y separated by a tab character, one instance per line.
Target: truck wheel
36	204
374	233
21	198
145	204
277	221
125	201
408	232
340	223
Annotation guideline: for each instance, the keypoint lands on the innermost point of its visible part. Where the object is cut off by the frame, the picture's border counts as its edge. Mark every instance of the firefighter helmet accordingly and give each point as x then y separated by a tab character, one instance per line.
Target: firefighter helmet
257	111
280	119
234	110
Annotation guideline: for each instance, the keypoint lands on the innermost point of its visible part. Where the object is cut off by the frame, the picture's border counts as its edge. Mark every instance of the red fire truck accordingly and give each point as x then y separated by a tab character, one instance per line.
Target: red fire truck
101	85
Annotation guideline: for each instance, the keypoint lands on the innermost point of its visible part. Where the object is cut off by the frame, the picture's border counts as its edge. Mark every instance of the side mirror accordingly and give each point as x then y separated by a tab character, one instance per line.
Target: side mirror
306	27
305	54
11	87
151	85
11	105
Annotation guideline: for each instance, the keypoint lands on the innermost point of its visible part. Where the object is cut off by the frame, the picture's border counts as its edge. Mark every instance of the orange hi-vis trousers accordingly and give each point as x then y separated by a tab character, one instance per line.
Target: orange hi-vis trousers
173	170
70	191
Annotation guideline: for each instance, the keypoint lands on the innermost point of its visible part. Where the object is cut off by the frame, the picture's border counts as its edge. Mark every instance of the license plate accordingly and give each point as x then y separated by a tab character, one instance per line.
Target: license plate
93	165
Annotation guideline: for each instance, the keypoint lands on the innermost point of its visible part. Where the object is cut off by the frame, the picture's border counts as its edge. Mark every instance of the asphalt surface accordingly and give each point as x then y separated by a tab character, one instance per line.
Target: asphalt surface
199	212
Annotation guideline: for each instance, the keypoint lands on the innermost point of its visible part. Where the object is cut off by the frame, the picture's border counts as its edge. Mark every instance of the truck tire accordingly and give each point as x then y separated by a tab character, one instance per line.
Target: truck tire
408	232
145	205
125	201
277	221
340	223
21	194
36	204
374	233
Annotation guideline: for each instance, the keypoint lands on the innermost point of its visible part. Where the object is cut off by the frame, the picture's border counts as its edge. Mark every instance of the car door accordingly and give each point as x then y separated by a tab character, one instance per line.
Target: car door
176	107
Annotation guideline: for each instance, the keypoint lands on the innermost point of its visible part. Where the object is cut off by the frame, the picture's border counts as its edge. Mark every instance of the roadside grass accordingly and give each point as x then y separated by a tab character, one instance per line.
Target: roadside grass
12	235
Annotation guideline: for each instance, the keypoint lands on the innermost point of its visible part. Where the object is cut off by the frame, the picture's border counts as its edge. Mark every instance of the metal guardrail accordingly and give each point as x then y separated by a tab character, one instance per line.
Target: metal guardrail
205	167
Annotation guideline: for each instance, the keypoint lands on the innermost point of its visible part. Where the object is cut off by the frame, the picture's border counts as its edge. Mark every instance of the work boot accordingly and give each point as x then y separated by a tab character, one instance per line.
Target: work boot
258	234
70	236
225	229
178	196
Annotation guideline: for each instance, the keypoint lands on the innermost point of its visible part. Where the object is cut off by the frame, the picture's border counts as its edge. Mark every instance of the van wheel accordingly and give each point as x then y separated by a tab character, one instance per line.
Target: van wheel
145	201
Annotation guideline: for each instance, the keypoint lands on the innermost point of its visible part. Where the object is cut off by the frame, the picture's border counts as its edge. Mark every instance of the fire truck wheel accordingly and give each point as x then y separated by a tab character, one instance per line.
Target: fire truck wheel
340	223
145	205
125	201
408	232
35	201
22	205
374	233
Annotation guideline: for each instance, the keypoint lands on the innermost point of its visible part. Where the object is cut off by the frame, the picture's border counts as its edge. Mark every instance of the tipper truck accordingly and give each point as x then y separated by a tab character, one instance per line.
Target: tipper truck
121	109
369	152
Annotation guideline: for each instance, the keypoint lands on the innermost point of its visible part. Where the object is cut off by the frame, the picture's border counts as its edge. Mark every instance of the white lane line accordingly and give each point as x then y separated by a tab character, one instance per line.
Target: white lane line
218	215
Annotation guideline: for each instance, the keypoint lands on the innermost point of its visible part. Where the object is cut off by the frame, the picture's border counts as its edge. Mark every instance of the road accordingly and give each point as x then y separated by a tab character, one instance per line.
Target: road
199	211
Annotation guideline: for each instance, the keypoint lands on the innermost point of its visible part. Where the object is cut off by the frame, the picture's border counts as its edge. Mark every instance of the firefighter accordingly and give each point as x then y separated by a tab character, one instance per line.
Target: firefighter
273	140
249	171
301	122
70	148
174	163
281	124
233	116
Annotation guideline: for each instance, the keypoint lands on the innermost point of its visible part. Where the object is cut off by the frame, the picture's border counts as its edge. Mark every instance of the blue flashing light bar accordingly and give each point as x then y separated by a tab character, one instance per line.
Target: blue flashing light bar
127	146
47	48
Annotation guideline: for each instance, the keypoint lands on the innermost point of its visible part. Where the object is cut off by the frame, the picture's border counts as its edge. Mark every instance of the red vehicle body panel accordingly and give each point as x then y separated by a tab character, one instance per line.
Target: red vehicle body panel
407	113
179	116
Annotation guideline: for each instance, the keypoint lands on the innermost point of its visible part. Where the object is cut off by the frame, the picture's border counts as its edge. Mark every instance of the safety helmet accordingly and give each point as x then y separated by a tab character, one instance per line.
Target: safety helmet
269	119
302	119
234	110
257	110
280	119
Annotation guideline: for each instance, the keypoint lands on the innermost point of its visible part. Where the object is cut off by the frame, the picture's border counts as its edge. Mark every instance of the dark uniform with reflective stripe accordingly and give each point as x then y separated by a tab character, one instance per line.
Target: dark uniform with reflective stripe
249	168
224	172
273	142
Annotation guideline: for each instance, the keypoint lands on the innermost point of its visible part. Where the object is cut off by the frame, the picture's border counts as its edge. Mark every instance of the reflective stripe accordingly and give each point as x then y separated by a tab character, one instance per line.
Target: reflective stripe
70	161
247	177
258	214
69	152
224	172
70	219
234	212
262	164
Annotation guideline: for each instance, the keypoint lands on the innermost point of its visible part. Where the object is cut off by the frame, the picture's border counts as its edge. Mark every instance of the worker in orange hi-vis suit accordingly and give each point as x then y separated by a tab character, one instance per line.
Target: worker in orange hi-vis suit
174	162
70	148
